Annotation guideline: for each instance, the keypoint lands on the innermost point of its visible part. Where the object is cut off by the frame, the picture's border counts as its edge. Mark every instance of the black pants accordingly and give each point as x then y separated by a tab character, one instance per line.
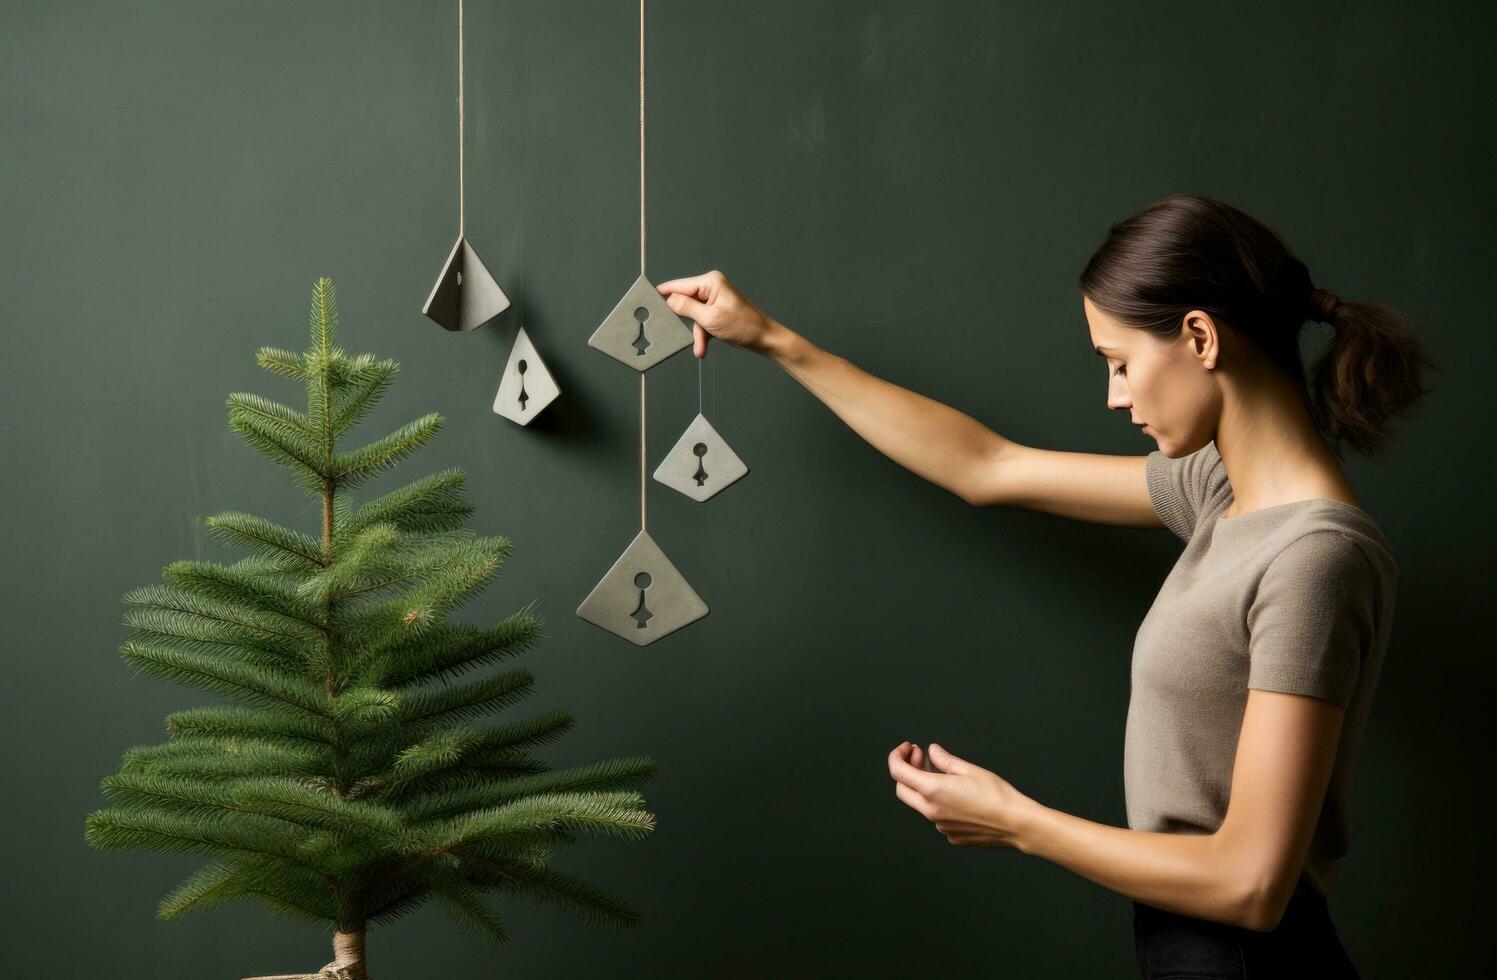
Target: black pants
1170	946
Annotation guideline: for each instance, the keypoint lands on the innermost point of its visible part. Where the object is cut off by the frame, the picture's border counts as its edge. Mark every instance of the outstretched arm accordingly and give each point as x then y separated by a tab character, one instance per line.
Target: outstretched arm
932	440
1242	874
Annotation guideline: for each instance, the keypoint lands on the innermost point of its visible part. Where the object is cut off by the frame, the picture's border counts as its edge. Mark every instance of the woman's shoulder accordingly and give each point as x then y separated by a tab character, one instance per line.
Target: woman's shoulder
1335	533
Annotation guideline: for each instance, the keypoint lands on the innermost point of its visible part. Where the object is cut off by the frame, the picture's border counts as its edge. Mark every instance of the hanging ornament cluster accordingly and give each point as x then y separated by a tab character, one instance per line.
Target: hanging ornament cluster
643	596
466	296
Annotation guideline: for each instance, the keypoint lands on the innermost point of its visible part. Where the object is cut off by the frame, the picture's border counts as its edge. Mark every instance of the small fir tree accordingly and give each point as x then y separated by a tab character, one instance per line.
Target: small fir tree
349	783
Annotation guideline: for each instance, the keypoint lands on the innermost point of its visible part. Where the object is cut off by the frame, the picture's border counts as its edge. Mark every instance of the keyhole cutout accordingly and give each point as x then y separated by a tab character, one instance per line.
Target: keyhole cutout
701	474
523	396
641	343
642	615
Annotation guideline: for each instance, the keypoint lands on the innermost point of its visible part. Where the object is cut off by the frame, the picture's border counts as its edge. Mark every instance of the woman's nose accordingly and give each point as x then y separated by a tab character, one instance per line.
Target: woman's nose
1117	396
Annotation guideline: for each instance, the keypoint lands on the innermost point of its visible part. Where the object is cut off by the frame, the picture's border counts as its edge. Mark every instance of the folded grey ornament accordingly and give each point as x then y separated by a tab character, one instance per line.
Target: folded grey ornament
465	295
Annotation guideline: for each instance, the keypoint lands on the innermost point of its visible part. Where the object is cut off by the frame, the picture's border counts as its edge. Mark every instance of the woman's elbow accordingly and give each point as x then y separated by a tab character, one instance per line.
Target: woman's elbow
1263	917
1263	908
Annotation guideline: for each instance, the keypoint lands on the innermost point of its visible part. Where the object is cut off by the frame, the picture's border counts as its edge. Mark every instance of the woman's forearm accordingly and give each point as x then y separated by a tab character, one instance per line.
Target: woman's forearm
934	441
1190	874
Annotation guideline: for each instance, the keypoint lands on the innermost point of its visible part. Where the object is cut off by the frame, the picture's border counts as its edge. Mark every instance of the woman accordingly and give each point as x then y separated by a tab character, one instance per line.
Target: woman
1254	670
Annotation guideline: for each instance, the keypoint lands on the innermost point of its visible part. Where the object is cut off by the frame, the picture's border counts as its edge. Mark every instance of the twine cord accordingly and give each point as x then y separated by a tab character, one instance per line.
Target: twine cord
642	443
641	450
460	190
641	137
524	293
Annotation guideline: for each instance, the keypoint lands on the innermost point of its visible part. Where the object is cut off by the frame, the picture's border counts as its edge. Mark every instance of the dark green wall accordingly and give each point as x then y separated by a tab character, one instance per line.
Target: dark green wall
912	185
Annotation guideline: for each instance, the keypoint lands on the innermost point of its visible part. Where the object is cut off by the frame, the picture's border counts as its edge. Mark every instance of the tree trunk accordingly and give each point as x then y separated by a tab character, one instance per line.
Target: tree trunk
347	963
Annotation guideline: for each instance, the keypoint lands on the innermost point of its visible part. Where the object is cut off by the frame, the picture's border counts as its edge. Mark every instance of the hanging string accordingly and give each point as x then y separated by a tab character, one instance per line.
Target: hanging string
642	443
641	137
520	86
642	450
460	191
699	386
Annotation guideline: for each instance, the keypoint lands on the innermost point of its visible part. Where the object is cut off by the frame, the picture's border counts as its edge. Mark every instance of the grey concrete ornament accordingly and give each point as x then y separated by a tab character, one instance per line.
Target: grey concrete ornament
641	331
701	463
642	597
465	295
526	386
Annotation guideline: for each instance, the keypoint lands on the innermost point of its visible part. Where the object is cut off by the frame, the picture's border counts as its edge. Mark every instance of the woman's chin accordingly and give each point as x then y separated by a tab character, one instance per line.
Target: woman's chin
1171	447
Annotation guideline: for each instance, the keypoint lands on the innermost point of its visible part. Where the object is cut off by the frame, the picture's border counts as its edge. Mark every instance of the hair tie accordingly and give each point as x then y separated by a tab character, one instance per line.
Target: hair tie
1323	305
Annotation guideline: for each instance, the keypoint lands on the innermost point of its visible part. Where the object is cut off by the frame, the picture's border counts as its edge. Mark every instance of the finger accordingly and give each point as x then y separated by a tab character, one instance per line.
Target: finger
899	751
697	286
911	799
917	758
685	306
948	762
699	338
917	779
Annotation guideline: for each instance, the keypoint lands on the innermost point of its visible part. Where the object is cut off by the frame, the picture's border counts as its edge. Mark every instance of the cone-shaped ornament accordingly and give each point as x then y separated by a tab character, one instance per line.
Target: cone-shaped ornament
465	295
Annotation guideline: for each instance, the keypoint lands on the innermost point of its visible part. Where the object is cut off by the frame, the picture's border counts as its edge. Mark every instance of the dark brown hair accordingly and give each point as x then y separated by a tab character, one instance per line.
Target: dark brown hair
1187	252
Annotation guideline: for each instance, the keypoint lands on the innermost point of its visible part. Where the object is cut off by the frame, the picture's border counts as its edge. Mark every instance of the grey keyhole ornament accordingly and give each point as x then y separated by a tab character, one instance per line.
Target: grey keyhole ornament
465	295
525	374
642	597
682	466
644	342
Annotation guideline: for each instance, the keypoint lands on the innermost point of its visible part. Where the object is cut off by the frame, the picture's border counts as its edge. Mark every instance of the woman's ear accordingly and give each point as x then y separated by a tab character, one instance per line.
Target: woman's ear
1205	340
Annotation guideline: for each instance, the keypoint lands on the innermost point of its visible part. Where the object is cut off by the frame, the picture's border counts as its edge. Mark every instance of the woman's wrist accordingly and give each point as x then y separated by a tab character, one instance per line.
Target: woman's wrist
783	345
1029	826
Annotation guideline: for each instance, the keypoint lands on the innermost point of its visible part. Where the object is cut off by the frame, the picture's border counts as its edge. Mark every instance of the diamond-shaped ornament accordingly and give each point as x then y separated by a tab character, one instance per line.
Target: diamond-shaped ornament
465	295
642	597
526	386
701	463
641	331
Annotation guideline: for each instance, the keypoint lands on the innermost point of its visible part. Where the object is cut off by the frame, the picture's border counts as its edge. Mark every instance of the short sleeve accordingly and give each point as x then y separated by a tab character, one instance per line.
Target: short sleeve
1181	488
1313	621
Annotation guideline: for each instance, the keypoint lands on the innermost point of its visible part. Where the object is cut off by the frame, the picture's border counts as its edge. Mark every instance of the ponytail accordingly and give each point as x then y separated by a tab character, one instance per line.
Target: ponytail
1371	372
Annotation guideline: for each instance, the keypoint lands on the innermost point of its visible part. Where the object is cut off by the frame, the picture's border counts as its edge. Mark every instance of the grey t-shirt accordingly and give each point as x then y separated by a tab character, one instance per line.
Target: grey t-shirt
1296	597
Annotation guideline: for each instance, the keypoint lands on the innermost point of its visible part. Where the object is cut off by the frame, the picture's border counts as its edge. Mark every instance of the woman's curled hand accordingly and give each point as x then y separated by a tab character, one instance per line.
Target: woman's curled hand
968	804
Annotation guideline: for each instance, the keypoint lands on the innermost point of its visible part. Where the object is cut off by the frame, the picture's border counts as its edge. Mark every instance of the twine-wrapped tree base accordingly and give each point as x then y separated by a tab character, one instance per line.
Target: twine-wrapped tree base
330	972
347	963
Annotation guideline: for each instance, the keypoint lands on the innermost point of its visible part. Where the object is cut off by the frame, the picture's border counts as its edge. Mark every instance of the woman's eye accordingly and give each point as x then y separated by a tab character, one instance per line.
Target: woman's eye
1118	369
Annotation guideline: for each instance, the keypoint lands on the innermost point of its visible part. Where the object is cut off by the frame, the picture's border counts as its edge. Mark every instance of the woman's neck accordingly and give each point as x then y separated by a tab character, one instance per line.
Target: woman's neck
1272	450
